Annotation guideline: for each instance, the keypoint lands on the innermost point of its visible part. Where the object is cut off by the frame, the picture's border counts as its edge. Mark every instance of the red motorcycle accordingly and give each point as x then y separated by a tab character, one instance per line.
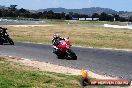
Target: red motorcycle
64	50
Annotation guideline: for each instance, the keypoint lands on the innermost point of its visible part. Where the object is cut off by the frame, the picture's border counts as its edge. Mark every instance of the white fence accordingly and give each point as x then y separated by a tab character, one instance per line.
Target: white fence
117	26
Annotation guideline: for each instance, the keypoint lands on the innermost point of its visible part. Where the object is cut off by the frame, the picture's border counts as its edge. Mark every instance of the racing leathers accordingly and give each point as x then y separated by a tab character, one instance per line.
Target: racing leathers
55	42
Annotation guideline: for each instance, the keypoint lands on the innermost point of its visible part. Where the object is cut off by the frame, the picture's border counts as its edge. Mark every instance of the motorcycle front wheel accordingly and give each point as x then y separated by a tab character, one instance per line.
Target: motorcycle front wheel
60	55
10	41
72	55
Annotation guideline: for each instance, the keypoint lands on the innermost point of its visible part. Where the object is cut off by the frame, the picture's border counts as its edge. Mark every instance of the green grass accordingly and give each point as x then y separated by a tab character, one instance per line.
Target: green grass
15	75
80	35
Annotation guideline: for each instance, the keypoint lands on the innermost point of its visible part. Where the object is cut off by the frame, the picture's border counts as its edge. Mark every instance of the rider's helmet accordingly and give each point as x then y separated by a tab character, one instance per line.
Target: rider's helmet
55	36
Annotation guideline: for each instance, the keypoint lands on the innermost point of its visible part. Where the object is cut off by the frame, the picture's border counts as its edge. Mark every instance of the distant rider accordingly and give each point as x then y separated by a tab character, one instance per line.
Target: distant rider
2	31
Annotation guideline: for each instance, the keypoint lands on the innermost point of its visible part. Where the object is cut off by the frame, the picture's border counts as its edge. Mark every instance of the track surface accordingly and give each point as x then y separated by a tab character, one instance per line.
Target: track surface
109	62
19	22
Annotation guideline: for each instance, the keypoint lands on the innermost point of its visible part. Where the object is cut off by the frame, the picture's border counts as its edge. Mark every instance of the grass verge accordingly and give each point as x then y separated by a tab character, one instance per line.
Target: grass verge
84	35
14	75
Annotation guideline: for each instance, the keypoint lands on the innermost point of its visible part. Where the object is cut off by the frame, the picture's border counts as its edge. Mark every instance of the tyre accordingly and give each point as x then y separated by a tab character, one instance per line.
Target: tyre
10	41
1	42
60	55
72	55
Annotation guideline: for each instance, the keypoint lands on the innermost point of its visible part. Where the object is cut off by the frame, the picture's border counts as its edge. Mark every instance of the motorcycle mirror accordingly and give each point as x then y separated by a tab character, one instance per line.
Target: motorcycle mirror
67	37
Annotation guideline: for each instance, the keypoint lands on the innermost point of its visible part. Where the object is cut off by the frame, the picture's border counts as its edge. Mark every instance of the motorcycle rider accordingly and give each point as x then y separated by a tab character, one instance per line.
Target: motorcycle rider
4	37
2	31
55	41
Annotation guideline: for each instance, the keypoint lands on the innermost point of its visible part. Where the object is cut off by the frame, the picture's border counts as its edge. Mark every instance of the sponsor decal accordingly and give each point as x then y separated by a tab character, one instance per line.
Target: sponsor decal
86	81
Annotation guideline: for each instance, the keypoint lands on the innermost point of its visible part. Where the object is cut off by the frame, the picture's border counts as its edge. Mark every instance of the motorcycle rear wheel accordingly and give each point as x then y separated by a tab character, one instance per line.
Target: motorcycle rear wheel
1	42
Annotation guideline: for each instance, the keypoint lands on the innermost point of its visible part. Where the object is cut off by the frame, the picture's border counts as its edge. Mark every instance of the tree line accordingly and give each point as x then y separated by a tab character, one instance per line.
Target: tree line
12	11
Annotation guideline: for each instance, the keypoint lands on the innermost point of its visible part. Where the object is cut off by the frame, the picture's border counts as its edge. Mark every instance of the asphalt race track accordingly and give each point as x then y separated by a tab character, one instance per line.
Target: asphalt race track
19	22
109	62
